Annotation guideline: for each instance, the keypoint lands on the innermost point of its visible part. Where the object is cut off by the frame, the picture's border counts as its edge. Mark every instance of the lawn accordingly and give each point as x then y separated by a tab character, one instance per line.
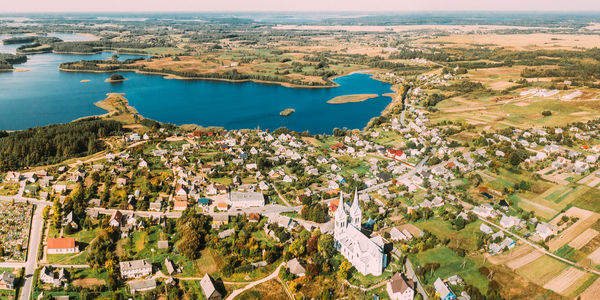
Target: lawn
451	264
466	238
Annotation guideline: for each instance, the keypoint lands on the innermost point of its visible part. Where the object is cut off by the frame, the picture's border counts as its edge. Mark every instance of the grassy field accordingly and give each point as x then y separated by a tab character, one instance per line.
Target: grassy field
465	238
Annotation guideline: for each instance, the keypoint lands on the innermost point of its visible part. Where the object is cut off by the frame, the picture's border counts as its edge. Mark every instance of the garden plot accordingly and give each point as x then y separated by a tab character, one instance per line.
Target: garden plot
524	260
584	238
563	281
586	219
595	256
592	292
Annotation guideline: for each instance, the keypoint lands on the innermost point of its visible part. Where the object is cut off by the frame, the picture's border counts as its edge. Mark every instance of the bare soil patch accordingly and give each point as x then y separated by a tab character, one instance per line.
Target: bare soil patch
88	282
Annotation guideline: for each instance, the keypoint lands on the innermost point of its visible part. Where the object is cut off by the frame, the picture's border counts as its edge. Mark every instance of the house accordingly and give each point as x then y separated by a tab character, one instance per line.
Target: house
115	219
396	154
59	188
364	253
169	266
209	289
397	235
254	217
163	245
12	177
62	246
485	229
222	206
135	268
246	199
580	167
442	290
296	268
398	288
141	285
68	220
545	230
7	281
49	277
180	205
508	222
156	205
219	220
226	233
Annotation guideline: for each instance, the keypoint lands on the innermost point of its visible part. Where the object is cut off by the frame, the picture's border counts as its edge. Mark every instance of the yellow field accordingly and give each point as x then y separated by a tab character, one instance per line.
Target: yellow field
518	41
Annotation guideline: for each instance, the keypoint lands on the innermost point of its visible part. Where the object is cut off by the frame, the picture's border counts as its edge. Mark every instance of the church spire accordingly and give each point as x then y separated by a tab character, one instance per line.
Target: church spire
355	211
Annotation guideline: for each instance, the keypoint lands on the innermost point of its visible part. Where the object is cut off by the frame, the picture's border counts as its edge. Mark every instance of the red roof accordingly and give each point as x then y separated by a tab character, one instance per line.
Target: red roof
337	146
396	152
451	165
61	243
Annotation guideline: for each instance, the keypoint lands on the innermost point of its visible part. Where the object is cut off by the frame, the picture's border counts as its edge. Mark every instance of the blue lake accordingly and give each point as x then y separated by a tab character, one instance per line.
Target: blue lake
45	95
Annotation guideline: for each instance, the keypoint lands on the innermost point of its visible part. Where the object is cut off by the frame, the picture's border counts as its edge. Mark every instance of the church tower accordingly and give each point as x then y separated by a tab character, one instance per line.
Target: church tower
340	218
356	212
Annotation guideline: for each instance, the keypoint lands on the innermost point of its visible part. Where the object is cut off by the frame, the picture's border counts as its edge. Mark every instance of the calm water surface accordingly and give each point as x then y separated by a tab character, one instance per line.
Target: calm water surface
45	95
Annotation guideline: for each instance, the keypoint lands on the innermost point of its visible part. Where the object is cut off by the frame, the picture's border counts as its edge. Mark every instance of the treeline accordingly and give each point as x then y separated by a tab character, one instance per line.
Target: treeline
54	143
7	60
19	40
97	46
228	75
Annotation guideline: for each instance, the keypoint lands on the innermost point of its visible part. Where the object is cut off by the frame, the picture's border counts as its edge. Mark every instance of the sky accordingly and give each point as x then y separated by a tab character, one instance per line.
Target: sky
295	5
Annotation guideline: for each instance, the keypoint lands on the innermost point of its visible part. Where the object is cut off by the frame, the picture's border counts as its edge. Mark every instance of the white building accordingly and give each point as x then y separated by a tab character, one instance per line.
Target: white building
364	253
135	268
246	199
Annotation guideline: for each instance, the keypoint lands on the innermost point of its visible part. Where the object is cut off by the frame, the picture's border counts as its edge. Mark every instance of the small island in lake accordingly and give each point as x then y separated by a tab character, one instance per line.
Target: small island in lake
115	78
286	112
85	80
351	98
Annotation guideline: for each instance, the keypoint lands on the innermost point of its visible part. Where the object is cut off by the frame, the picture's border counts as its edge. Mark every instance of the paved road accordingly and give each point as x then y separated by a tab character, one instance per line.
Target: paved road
32	251
255	283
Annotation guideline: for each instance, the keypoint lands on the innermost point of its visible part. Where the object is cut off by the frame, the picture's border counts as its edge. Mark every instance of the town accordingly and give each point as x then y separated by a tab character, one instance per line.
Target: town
479	180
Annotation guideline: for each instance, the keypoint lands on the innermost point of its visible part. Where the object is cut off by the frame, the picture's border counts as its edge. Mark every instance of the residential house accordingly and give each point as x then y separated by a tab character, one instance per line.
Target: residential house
296	268
209	289
115	219
61	246
137	286
545	230
7	281
135	268
485	229
399	288
442	290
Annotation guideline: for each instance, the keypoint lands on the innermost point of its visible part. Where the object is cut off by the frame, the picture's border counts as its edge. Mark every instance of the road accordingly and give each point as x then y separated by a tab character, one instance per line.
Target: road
255	283
32	251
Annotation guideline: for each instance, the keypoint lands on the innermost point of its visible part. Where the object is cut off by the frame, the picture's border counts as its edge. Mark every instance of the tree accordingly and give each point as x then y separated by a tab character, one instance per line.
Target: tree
192	229
344	270
326	245
297	248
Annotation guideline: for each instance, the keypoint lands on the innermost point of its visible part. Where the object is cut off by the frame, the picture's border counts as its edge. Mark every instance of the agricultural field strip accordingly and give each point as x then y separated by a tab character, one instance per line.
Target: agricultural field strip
563	281
584	238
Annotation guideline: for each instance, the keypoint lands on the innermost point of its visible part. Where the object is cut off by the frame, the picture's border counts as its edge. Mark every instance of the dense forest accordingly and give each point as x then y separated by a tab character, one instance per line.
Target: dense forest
54	143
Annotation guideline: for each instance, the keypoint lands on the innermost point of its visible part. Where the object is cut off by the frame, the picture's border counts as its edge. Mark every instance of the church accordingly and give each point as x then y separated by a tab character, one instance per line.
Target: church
364	253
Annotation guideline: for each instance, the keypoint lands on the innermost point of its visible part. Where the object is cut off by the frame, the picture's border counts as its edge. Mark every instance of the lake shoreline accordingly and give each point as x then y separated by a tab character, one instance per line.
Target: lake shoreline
171	76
